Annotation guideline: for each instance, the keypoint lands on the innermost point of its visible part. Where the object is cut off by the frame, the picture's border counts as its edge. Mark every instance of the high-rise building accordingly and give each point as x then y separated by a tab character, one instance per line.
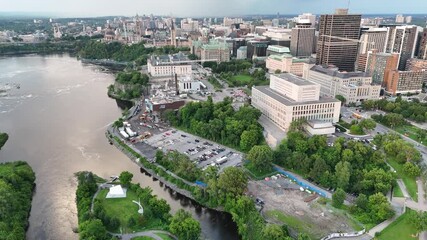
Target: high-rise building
372	38
380	64
257	48
302	38
400	18
414	64
402	82
307	18
422	50
402	40
408	19
173	34
338	39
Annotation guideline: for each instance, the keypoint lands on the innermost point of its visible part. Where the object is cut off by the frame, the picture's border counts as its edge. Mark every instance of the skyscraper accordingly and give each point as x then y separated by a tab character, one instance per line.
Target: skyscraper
338	39
402	39
422	52
372	38
173	34
302	38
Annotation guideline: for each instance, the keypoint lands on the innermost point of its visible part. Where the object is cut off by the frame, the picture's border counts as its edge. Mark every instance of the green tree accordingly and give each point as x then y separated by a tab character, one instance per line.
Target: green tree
184	226
273	232
319	169
377	181
341	98
125	178
278	71
362	202
93	229
232	181
261	157
379	207
3	139
419	220
248	139
338	198
411	169
368	124
342	174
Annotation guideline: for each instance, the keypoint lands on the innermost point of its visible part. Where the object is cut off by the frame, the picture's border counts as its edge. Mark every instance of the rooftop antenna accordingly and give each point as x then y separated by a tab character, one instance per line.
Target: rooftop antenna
348	4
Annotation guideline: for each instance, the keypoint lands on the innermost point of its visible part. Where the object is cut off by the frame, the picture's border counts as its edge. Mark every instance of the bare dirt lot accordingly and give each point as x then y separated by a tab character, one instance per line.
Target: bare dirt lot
286	205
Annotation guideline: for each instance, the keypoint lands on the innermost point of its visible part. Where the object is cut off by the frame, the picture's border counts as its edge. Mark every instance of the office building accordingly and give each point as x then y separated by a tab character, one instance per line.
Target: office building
291	98
403	82
277	50
189	25
380	64
338	39
307	18
355	87
215	50
257	48
168	65
402	40
400	18
242	52
286	63
302	40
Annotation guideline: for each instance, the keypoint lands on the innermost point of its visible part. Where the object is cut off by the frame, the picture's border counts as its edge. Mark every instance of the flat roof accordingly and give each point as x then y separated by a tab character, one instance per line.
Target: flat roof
289	102
294	79
334	72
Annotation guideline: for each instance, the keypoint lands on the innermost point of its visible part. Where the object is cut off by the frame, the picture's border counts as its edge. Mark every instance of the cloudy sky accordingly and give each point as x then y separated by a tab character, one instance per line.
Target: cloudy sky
182	8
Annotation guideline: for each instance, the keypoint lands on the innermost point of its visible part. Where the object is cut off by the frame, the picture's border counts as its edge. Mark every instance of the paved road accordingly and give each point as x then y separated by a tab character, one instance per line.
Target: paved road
423	235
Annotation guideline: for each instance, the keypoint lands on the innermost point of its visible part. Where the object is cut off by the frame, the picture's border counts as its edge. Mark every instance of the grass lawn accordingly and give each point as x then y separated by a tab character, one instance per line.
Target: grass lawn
123	209
410	182
164	236
410	131
292	222
400	229
397	192
242	78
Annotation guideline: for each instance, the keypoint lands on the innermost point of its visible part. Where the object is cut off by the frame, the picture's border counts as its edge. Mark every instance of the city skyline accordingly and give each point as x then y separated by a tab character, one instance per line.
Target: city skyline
197	8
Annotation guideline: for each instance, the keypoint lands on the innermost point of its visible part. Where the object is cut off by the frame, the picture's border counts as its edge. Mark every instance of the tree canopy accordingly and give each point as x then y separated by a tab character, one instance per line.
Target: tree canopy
3	139
184	226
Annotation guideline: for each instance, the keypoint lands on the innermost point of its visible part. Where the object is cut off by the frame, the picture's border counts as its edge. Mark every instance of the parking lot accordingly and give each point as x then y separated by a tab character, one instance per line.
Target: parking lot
201	151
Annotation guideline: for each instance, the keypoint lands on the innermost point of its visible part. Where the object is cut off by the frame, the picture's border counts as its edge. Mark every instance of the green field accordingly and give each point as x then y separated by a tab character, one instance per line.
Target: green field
411	132
292	222
164	236
400	229
410	182
243	79
123	209
397	192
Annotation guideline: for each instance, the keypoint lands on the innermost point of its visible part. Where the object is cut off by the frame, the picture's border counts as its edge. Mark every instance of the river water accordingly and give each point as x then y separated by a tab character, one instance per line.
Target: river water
56	122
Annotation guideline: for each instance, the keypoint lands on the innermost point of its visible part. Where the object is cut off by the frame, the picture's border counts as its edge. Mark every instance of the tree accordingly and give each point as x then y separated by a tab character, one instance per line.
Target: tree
232	181
248	139
273	232
367	124
3	139
125	178
379	207
319	169
261	157
356	130
278	71
377	181
411	169
338	198
341	98
419	220
362	202
93	229
342	174
184	226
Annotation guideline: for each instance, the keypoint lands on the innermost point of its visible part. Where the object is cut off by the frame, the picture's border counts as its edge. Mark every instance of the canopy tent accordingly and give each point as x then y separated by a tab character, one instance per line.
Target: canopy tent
116	192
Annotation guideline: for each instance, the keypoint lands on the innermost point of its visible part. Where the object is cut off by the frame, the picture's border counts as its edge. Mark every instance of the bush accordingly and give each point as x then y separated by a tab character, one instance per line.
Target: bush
338	198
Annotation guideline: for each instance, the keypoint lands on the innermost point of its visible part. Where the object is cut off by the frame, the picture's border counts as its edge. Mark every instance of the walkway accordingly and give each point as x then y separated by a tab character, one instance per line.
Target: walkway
423	235
402	187
398	205
421	205
151	233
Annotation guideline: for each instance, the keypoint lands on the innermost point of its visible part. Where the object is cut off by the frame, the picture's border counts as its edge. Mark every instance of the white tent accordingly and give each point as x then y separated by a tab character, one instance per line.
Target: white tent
116	192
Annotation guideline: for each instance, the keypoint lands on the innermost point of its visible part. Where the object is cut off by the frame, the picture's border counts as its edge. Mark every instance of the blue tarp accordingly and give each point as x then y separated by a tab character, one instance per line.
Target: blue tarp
200	183
289	175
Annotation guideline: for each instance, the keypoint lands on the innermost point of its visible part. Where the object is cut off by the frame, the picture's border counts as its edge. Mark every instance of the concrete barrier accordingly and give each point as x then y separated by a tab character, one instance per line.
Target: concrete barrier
344	235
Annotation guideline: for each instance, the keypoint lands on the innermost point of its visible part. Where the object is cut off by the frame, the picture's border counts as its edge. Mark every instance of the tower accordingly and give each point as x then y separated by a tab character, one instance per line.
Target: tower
173	34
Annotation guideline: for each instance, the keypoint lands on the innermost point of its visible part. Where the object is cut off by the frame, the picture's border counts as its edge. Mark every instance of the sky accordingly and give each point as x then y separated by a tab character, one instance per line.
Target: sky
197	8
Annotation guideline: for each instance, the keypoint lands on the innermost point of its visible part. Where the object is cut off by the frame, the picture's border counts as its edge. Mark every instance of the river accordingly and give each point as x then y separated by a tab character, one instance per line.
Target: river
56	122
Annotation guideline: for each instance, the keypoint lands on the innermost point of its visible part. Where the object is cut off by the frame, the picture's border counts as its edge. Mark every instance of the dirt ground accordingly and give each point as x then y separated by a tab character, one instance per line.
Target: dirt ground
312	217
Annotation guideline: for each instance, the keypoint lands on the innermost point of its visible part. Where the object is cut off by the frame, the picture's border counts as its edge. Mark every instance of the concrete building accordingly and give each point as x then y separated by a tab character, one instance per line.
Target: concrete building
257	48
355	87
276	49
422	50
302	40
291	98
286	63
189	25
278	36
338	39
307	18
414	64
188	84
242	52
402	82
372	38
215	50
402	40
380	64
400	18
168	65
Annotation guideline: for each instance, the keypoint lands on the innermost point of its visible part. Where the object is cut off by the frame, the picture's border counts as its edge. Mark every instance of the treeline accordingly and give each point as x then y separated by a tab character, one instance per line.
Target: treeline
3	139
219	122
412	110
129	85
117	51
231	66
16	191
41	48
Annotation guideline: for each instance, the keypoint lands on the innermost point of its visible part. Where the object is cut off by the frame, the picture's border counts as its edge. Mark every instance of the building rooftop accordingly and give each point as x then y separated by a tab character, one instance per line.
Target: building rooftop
294	79
278	48
334	72
168	59
289	102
